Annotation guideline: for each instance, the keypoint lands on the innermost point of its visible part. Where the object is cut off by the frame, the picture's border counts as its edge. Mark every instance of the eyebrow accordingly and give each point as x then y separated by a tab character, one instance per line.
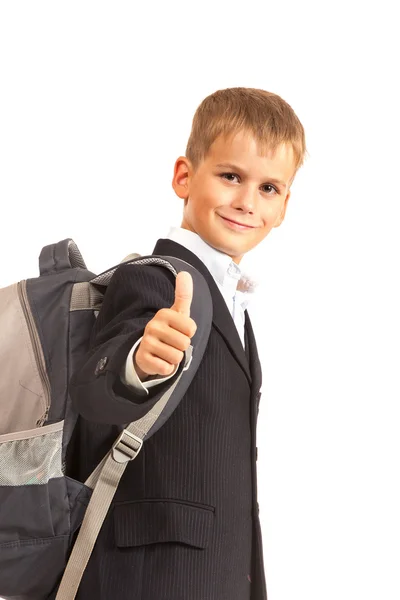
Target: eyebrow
236	168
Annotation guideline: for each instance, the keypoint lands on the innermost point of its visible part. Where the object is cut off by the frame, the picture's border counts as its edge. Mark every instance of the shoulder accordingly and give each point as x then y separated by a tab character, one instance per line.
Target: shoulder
148	283
135	292
146	272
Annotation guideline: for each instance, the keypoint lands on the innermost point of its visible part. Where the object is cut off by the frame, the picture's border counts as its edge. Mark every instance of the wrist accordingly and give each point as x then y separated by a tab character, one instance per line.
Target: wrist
139	372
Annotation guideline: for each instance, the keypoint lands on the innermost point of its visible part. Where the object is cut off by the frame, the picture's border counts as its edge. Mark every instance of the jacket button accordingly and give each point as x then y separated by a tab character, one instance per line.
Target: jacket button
101	365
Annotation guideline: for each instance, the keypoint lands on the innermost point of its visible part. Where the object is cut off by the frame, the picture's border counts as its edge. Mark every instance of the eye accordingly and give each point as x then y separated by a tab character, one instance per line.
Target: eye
268	185
228	176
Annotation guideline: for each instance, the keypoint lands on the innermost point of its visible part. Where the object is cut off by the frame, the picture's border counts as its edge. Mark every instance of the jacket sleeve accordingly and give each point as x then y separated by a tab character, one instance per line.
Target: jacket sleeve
134	295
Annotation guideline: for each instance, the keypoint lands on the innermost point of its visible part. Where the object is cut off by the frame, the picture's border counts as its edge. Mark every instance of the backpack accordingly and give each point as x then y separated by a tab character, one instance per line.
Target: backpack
45	327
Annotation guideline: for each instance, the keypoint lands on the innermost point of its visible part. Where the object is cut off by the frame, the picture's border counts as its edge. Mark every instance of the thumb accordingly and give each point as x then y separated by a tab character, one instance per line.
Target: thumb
183	293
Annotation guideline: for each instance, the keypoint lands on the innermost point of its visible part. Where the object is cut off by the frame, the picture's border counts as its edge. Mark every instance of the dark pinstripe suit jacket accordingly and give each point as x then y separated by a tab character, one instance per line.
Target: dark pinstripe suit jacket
184	522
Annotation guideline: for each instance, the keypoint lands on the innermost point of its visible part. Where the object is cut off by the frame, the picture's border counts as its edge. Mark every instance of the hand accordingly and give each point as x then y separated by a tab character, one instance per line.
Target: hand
168	334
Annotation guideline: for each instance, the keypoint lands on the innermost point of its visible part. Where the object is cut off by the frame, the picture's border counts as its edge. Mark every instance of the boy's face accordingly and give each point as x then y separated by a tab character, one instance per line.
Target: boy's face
235	183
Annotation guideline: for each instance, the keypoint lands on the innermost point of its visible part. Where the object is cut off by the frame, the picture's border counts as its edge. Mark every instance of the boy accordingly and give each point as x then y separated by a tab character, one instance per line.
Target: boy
184	523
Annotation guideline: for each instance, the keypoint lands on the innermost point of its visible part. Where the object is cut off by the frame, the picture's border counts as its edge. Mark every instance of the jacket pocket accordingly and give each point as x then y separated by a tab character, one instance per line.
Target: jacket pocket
144	522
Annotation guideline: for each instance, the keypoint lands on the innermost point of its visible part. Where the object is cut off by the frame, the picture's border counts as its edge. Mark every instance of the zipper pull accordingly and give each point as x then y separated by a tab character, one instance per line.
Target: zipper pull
40	422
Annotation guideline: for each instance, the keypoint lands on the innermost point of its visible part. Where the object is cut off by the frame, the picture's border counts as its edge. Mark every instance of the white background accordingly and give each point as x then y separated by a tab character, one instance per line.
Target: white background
96	104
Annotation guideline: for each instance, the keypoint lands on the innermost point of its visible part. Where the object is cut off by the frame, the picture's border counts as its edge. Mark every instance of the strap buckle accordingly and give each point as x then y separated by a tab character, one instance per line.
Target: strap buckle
126	447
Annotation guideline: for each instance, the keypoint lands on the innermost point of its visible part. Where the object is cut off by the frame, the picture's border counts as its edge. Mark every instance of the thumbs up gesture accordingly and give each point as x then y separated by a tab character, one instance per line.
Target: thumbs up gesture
168	334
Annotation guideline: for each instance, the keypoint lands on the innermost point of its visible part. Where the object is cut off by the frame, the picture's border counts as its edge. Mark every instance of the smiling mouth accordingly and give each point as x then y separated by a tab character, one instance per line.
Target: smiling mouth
236	223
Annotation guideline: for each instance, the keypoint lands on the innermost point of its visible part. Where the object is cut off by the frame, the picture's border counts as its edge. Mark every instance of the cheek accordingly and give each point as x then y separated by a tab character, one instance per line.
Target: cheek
201	209
205	195
267	218
217	193
270	213
211	200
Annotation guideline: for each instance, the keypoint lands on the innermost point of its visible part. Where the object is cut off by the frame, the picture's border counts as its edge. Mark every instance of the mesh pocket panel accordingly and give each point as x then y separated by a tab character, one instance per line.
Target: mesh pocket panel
32	460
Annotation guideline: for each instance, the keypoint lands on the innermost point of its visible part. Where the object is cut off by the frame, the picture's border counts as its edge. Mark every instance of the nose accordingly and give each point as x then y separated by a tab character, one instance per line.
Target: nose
245	201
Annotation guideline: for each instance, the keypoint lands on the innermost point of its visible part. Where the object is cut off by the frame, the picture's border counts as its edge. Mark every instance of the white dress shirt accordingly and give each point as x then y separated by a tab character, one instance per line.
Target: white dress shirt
234	285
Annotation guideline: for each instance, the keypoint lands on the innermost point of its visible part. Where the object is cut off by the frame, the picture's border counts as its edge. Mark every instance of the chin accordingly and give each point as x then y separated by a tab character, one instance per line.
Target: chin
232	252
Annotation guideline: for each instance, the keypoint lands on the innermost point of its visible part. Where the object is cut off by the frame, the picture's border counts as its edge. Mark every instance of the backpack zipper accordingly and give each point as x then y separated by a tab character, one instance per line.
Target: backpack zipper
37	349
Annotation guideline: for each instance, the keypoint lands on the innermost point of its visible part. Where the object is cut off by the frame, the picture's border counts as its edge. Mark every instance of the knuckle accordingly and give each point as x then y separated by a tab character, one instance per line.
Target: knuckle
166	369
153	329
149	343
164	313
149	328
156	319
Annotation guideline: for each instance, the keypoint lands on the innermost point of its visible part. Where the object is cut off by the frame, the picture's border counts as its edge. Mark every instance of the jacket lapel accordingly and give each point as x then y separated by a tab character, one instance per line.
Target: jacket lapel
254	361
222	319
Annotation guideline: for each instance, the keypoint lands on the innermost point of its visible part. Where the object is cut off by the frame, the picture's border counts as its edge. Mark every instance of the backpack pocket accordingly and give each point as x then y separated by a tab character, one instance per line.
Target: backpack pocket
38	515
25	388
31	457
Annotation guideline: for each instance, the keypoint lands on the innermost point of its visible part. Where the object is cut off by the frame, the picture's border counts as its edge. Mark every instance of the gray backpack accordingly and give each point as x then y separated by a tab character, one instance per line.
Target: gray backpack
45	327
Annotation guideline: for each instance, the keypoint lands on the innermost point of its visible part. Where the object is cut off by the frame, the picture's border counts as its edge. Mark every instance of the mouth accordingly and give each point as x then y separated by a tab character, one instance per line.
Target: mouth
236	225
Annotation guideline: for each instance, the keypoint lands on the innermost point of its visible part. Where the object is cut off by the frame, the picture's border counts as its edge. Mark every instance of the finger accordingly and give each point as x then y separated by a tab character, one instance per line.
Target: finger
170	336
158	366
183	293
164	352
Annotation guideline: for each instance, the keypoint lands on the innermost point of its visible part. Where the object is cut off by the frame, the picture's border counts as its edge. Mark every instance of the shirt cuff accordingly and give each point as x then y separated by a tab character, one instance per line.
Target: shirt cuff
130	378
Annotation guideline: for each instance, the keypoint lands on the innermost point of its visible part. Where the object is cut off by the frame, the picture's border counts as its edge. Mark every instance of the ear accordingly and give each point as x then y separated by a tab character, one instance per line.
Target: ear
282	215
181	178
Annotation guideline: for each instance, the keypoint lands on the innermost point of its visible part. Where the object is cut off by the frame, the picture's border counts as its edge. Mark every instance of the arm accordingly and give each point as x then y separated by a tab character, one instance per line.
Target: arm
134	295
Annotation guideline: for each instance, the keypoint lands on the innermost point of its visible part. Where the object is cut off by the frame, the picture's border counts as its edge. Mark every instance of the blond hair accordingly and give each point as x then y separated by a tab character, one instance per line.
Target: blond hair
266	115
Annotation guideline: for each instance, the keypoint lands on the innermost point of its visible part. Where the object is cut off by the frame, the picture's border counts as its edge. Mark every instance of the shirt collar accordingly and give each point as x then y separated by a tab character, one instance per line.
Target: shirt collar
227	273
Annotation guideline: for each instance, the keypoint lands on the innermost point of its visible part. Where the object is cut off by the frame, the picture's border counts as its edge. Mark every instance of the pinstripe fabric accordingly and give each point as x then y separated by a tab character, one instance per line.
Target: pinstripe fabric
184	521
